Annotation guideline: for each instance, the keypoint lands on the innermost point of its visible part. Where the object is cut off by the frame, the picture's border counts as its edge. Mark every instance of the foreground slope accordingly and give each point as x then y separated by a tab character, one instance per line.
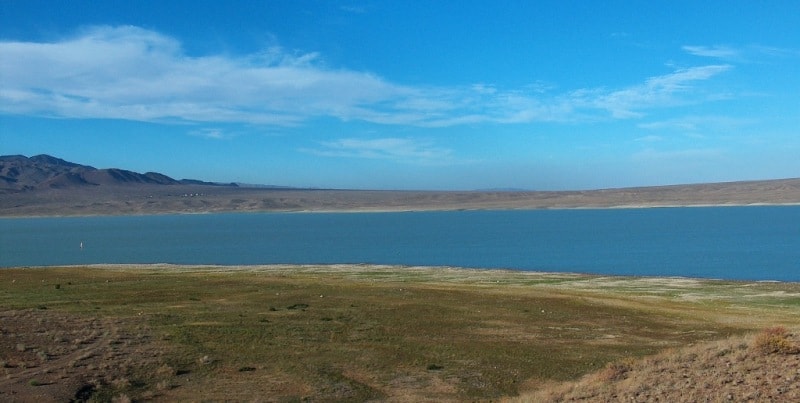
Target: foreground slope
760	367
354	333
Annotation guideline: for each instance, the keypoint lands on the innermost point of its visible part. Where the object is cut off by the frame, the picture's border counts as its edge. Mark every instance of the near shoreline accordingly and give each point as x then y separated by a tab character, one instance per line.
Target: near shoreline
405	210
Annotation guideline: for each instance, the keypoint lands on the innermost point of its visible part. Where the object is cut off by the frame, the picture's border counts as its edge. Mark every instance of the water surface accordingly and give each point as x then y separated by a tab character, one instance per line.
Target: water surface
748	243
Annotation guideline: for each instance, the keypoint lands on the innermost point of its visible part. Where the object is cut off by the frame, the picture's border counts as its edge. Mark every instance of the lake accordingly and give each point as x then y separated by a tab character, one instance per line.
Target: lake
742	243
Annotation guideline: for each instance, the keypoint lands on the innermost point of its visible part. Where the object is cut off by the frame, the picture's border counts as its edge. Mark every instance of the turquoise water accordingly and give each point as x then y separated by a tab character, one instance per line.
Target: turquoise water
752	243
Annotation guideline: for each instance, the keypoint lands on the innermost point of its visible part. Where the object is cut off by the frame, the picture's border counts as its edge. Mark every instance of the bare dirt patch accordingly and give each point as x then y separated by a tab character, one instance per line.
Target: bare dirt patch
55	356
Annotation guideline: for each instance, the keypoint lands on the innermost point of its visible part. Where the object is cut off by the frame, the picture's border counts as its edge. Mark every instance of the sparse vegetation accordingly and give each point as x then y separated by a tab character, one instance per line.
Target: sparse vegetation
775	340
734	369
615	371
175	333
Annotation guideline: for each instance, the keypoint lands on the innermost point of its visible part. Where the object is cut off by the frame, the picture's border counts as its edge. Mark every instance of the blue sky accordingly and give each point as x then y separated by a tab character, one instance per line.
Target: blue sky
408	94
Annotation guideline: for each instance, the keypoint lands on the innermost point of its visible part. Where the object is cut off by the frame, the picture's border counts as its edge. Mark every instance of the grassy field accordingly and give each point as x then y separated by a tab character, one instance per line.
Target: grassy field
349	332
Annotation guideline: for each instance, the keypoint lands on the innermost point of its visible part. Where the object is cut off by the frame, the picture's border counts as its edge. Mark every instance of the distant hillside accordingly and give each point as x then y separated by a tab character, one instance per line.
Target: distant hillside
19	173
44	186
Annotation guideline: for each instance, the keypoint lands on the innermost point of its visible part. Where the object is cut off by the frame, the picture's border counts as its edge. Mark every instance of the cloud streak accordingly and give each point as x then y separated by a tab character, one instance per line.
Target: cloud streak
717	52
746	54
657	92
400	149
696	123
137	74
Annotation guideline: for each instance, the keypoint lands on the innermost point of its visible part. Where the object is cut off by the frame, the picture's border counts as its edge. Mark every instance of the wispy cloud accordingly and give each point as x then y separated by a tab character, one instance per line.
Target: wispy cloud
717	52
776	51
751	54
657	92
691	154
212	133
138	74
400	149
696	123
355	9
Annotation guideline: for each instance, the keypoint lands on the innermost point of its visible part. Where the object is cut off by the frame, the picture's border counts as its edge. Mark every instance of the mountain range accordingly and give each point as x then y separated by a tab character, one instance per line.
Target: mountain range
19	173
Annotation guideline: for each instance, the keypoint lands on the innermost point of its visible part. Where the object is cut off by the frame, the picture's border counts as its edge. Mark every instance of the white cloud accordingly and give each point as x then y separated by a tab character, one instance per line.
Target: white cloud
407	150
776	51
131	73
211	133
657	92
696	123
137	74
717	52
751	54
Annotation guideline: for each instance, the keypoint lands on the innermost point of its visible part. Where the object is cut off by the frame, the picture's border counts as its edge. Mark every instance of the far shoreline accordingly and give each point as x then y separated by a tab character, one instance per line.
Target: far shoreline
113	200
403	210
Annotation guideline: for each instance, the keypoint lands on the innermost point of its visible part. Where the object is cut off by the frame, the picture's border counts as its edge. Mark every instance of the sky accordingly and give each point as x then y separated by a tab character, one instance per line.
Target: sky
429	95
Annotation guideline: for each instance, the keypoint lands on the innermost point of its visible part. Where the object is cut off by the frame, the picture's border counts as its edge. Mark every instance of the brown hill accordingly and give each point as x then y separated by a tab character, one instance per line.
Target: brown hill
20	173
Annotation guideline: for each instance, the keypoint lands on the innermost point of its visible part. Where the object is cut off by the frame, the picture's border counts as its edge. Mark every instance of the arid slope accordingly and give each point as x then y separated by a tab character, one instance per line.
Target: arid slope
47	186
159	199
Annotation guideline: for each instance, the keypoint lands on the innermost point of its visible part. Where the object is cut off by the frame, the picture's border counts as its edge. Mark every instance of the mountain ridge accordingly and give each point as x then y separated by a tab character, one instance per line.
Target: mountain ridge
19	173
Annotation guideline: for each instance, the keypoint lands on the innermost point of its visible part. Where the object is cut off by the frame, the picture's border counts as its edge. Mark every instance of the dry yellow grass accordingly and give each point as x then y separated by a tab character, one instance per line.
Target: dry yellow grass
734	369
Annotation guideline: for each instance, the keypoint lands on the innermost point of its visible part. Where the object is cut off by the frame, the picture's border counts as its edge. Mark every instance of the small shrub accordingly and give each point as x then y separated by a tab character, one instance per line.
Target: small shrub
435	367
165	371
121	383
247	369
121	399
34	382
615	371
85	392
775	340
723	352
